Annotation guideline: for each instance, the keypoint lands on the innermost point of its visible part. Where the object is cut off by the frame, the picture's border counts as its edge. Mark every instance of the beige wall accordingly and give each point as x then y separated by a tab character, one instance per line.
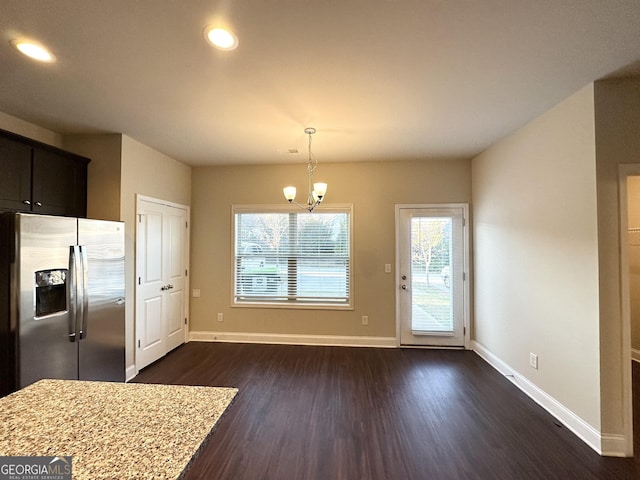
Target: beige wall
104	172
536	251
372	188
29	130
146	171
617	113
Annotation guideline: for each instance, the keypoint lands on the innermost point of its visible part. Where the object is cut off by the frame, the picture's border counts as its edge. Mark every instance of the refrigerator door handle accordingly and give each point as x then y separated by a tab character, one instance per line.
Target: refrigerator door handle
73	293
84	279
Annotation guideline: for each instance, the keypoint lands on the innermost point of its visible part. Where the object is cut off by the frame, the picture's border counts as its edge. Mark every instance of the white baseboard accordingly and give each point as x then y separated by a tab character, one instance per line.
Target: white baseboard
130	372
610	445
635	355
324	340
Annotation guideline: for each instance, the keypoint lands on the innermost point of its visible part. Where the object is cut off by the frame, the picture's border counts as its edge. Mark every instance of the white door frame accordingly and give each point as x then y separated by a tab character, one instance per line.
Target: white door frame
187	208
625	171
465	266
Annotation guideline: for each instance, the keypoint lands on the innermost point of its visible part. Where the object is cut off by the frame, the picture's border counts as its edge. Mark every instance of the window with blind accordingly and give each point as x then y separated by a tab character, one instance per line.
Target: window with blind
292	258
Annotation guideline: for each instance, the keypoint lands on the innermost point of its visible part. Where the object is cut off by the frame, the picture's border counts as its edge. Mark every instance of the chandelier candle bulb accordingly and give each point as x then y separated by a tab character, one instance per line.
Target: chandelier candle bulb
320	189
289	193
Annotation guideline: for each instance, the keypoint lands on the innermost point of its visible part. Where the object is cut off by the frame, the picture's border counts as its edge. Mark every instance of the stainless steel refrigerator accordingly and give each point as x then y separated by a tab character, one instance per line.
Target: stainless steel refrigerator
62	291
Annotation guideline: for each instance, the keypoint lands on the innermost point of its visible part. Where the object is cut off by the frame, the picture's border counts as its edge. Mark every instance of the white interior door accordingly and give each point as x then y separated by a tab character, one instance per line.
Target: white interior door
150	303
175	225
432	259
162	282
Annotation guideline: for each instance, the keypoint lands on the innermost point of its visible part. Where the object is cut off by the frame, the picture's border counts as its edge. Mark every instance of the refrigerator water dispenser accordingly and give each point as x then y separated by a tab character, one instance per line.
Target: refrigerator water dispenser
51	292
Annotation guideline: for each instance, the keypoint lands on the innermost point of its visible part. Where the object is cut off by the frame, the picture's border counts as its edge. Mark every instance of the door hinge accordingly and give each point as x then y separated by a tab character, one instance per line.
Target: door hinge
464	330
464	276
139	218
186	272
138	343
185	321
186	224
139	280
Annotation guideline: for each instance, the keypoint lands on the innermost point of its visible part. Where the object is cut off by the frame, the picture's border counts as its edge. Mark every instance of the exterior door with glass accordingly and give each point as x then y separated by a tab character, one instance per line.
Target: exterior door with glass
432	261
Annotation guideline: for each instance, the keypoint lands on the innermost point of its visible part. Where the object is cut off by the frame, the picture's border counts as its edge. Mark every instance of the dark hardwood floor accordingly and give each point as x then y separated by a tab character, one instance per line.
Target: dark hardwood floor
364	413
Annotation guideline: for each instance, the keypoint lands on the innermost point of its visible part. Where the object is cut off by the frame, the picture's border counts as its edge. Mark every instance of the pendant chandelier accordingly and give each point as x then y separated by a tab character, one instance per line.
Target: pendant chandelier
316	195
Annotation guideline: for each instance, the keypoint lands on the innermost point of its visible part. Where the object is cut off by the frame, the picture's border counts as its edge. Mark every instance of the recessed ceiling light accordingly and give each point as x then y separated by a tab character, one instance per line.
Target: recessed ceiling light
33	50
221	37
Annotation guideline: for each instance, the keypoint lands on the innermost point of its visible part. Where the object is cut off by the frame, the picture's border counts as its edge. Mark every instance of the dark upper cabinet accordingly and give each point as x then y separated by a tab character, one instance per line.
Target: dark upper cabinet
38	178
15	175
58	184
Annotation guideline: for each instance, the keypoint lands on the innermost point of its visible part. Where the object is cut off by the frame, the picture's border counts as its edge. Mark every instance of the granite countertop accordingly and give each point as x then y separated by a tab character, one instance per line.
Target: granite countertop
112	430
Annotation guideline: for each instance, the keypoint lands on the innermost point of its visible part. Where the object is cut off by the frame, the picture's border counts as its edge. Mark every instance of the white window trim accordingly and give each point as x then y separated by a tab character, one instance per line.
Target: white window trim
286	208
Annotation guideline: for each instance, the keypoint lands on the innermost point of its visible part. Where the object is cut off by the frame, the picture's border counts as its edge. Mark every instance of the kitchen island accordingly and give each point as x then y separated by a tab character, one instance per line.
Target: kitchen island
112	430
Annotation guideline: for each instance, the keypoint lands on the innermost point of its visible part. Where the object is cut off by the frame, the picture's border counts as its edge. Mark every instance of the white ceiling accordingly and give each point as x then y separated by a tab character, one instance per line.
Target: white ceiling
378	79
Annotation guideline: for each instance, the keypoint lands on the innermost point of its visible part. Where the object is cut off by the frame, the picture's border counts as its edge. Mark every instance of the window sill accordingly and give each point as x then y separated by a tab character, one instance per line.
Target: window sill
292	305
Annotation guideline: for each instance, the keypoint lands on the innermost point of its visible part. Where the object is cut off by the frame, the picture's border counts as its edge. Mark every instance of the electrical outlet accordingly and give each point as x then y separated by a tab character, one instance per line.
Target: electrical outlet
195	293
533	360
387	268
220	317
365	320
